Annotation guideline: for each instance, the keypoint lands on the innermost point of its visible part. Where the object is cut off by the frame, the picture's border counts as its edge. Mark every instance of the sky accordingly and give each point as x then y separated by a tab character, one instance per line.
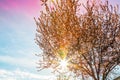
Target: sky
17	44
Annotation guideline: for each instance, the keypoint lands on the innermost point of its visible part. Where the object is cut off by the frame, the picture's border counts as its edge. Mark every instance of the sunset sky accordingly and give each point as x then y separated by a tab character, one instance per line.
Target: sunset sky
17	44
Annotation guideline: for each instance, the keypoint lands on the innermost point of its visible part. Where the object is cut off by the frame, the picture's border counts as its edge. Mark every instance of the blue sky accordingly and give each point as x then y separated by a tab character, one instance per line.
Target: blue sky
17	44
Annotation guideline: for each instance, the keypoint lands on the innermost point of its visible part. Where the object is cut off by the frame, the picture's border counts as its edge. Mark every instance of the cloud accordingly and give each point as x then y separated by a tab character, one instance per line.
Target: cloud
22	75
24	62
25	6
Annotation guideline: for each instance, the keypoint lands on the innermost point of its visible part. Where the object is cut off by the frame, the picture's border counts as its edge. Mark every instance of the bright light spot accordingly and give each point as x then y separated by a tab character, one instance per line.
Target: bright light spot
63	64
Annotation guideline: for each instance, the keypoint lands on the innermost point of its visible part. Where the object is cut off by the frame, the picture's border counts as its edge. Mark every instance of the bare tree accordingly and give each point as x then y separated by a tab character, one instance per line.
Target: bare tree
89	41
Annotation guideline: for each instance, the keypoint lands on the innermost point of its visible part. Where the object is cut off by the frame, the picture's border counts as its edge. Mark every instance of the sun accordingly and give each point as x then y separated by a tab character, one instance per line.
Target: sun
63	64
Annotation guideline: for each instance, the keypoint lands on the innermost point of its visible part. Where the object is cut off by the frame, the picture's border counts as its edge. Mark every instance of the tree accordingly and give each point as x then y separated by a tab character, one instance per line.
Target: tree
88	41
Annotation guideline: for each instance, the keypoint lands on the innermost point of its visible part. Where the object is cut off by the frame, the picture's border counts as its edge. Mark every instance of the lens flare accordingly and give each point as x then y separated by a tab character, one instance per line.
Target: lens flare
63	63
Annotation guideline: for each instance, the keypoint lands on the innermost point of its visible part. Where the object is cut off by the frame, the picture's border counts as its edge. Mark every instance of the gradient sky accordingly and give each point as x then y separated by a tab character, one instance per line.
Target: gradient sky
17	45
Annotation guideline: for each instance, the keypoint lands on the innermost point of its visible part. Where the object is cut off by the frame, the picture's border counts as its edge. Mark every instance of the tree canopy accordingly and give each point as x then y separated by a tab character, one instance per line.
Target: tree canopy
89	41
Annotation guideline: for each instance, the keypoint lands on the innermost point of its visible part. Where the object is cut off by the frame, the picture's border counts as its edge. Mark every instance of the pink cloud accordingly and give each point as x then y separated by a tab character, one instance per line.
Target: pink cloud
28	7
